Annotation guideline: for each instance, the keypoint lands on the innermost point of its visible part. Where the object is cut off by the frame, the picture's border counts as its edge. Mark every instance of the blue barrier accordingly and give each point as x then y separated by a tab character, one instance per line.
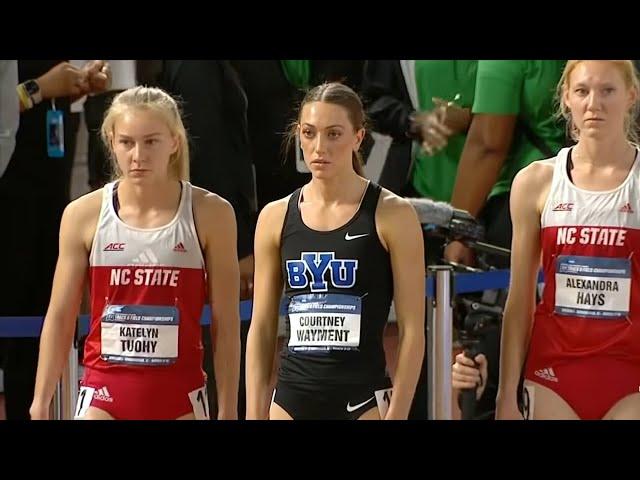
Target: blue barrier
20	326
246	307
463	283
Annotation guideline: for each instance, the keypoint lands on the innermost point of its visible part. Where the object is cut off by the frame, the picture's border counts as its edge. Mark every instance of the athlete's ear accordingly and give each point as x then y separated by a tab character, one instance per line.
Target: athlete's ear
633	97
359	137
565	97
175	143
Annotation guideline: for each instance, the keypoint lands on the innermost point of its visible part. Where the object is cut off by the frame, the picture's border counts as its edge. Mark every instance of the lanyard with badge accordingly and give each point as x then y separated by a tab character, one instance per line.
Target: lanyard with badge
55	131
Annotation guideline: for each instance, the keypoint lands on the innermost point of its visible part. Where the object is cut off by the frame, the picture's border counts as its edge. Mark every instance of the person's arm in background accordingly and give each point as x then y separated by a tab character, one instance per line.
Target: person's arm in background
485	151
63	80
67	80
495	112
220	157
9	111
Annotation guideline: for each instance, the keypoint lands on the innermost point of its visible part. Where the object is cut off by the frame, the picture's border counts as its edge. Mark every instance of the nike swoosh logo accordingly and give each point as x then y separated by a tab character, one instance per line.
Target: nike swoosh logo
352	237
356	407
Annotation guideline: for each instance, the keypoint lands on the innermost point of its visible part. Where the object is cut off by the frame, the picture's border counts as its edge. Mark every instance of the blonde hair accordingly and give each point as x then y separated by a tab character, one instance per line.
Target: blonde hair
156	100
630	77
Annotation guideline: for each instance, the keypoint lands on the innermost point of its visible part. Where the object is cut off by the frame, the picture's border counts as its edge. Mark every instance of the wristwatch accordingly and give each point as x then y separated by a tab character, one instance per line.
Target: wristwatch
33	89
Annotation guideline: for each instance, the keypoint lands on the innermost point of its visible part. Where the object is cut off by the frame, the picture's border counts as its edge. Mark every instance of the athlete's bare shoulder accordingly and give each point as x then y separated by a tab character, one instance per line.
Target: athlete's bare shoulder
277	208
271	218
211	202
88	204
534	182
390	204
538	173
82	215
214	217
395	216
86	209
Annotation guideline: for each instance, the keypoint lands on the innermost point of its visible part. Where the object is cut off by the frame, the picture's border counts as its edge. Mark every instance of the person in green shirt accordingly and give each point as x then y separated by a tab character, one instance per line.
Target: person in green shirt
513	124
443	128
513	111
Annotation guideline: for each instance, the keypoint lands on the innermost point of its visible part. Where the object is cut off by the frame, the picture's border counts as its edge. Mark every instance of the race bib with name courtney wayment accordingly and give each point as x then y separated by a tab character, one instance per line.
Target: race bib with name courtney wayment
324	322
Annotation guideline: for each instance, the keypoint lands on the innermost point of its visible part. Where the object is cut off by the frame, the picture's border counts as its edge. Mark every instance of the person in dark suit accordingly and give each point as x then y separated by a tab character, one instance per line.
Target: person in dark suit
215	111
34	191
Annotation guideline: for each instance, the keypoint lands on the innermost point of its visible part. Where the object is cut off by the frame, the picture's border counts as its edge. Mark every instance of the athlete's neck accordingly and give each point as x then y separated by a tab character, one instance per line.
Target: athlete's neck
603	152
160	195
338	189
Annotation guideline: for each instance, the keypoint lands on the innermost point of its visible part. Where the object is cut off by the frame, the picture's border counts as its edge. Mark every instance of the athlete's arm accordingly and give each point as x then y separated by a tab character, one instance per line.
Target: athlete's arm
528	192
267	291
217	225
76	233
400	231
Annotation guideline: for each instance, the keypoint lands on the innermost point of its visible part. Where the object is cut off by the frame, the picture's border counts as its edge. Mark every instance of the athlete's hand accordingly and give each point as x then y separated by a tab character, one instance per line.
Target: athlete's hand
507	407
466	375
39	411
246	277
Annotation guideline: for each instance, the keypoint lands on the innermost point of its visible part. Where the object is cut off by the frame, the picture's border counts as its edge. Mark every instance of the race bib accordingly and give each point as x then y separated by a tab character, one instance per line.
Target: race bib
324	322
140	334
593	287
383	399
84	402
200	403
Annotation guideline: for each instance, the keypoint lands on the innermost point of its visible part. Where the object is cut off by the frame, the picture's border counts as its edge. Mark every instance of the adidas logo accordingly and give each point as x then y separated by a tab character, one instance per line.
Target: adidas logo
547	374
563	207
103	394
626	208
179	248
147	257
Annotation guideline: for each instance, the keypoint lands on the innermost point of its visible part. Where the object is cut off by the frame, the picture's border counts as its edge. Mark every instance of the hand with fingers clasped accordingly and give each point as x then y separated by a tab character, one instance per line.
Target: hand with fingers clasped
98	75
63	80
470	373
436	126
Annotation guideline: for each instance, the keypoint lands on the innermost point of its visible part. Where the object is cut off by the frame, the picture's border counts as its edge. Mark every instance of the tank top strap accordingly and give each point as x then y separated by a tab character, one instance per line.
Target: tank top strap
371	196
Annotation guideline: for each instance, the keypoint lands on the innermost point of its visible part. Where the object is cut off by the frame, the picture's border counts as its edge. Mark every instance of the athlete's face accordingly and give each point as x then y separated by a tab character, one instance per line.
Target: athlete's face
143	145
599	98
328	138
